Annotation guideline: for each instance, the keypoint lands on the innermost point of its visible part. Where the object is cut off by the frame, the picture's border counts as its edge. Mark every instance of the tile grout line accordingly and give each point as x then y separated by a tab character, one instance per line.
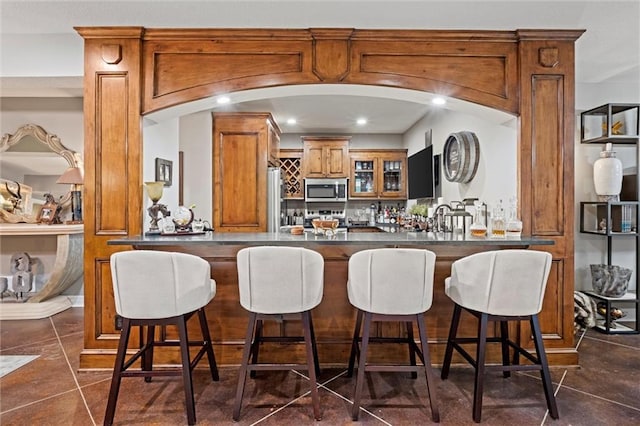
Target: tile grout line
51	339
613	343
73	373
546	413
322	385
604	399
38	401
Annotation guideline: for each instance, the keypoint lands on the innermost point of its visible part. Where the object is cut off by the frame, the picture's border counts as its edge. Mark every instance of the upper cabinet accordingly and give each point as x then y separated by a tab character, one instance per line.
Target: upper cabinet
326	157
615	123
242	151
378	174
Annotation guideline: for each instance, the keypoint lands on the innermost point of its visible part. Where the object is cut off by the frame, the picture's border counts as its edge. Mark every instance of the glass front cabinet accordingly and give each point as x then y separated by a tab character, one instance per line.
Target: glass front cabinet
378	174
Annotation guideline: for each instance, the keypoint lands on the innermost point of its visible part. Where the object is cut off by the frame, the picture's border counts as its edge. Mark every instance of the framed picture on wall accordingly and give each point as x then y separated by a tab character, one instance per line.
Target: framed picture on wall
164	171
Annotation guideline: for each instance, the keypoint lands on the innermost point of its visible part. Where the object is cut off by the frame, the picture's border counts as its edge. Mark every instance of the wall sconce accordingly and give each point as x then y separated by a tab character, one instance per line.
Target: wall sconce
75	177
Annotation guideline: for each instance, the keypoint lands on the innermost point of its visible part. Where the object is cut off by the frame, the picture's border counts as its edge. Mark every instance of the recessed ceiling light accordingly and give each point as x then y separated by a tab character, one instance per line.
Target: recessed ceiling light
291	121
362	121
438	101
223	100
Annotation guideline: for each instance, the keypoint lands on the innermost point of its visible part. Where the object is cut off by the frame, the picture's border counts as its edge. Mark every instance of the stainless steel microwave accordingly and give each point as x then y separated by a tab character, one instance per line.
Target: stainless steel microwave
318	190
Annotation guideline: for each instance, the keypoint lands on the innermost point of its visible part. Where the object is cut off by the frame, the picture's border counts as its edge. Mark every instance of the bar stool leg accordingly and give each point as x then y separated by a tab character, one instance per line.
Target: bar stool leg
255	346
314	346
354	343
453	331
431	386
242	374
213	366
412	352
504	340
544	371
480	360
117	370
311	364
147	354
186	370
361	366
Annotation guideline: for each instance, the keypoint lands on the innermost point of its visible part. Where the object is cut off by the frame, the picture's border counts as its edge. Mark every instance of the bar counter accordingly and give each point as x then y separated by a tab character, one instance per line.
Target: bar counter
334	318
420	239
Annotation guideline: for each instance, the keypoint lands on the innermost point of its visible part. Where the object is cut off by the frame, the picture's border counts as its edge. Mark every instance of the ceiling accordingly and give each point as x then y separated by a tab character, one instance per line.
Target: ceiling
607	53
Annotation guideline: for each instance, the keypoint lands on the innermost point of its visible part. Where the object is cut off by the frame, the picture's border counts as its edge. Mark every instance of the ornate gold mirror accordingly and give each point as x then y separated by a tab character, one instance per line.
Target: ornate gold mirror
31	161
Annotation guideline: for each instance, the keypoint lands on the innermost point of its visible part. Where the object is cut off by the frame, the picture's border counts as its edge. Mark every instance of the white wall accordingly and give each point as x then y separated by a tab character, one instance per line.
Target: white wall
495	178
160	140
196	135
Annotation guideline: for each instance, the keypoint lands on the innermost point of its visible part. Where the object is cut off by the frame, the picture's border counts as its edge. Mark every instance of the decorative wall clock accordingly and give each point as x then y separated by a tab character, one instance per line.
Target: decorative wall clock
461	155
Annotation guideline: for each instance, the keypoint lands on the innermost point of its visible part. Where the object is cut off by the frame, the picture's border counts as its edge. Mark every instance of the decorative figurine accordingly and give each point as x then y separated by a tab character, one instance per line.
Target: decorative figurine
22	276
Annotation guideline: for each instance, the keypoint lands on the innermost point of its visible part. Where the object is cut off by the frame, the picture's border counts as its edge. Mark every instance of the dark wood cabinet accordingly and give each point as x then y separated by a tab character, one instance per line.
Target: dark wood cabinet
242	147
325	157
378	174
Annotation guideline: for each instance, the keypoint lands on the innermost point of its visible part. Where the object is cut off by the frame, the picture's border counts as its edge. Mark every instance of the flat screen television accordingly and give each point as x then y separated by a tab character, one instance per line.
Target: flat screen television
423	170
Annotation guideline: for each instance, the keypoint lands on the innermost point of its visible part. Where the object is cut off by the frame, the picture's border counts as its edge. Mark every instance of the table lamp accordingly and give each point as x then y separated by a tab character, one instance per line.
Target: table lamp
154	190
75	177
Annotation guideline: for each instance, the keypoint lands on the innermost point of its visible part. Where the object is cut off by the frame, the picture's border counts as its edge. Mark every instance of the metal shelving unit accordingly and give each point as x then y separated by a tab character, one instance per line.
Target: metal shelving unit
617	124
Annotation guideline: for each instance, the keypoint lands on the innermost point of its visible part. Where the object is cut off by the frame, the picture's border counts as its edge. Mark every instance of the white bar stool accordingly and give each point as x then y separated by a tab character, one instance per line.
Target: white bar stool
160	288
391	285
278	283
503	285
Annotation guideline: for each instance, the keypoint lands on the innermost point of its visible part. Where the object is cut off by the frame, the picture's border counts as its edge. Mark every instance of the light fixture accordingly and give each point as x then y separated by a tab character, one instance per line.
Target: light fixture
361	121
223	100
291	121
154	190
75	177
438	101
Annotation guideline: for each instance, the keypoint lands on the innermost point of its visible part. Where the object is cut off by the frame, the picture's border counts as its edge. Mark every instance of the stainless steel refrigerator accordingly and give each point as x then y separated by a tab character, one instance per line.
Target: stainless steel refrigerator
275	199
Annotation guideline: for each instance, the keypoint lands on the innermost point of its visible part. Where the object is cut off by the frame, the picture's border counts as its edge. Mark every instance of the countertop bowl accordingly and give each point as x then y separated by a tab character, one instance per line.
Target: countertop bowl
325	226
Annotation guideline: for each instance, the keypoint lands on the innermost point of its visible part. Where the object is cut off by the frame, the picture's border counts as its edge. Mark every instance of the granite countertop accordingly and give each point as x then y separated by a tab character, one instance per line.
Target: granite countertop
281	238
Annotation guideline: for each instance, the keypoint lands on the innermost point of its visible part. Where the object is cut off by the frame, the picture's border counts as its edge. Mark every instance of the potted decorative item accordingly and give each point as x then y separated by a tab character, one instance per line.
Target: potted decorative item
610	280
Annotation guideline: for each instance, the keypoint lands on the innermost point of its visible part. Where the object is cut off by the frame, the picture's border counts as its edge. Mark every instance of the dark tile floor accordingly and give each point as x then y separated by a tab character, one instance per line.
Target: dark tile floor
50	391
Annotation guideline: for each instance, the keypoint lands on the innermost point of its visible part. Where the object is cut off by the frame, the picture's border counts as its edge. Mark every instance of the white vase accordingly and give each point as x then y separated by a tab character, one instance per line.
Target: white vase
607	175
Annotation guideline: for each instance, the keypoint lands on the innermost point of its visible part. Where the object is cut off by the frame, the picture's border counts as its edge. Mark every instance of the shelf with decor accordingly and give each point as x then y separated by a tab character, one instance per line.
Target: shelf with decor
614	123
378	174
610	317
611	216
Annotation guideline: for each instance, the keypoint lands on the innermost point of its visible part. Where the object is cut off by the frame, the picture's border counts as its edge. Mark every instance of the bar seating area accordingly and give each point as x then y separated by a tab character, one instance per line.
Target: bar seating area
283	283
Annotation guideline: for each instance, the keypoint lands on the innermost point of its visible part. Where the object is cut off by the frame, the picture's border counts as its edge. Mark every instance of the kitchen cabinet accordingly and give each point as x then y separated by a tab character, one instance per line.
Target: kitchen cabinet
325	157
378	174
291	172
242	148
617	124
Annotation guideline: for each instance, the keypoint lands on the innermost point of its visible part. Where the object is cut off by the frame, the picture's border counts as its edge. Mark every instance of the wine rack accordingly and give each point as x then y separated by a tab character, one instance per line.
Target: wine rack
291	171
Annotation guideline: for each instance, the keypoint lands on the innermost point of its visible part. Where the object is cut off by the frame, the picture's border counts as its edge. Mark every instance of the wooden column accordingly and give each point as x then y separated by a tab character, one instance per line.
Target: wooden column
546	172
113	173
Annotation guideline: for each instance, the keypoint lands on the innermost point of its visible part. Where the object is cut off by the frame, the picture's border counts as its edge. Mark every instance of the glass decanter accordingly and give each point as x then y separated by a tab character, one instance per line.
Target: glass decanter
498	222
514	225
478	228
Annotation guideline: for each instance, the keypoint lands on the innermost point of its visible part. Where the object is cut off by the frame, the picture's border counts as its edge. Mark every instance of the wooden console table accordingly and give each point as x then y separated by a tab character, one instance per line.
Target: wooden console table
67	269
